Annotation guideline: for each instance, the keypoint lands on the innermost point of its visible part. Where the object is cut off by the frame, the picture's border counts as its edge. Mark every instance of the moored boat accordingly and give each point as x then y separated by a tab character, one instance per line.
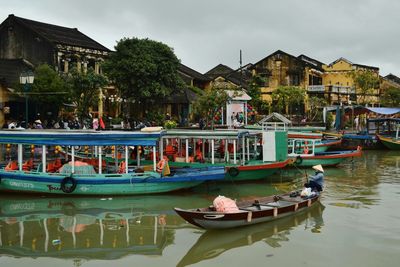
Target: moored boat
86	179
236	150
391	143
249	212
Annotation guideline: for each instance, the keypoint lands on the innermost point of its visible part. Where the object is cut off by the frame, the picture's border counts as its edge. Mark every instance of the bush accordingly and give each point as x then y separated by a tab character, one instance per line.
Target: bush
170	124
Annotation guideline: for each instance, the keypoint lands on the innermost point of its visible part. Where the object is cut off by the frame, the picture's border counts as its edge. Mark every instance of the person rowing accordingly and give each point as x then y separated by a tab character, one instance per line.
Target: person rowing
316	181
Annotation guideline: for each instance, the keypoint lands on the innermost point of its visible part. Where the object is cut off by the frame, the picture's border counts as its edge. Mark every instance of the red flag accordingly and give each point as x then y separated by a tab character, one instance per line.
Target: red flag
102	125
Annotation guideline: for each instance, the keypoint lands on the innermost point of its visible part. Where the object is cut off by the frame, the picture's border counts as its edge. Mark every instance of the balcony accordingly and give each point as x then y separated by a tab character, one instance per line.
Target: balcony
342	89
316	88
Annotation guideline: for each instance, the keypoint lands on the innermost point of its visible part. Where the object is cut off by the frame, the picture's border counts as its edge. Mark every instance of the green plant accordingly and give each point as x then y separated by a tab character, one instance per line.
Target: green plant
169	124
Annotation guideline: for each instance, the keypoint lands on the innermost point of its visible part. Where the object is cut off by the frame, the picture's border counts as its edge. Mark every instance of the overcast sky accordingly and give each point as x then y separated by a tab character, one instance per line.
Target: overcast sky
205	33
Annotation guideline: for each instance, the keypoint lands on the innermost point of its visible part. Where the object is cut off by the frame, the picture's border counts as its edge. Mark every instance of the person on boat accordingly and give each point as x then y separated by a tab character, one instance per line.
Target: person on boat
316	181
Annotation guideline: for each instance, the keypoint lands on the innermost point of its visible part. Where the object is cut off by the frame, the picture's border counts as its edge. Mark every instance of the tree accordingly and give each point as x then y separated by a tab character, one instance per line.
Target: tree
365	81
391	97
209	103
255	93
84	90
285	97
48	91
143	70
316	103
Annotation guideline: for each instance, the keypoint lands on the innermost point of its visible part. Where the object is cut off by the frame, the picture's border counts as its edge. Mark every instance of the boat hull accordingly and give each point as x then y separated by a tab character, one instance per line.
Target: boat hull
102	184
390	143
327	158
244	217
255	170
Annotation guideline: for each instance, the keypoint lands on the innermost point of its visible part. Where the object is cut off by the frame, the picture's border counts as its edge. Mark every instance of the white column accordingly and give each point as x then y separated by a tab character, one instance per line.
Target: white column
20	155
222	115
255	147
234	151
243	150
248	149
73	159
187	150
212	151
100	159
126	158
245	113
44	158
154	159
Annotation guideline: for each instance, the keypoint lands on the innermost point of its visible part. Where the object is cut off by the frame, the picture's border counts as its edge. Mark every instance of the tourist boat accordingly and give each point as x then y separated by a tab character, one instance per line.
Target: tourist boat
80	178
368	139
321	145
236	150
249	212
311	158
212	244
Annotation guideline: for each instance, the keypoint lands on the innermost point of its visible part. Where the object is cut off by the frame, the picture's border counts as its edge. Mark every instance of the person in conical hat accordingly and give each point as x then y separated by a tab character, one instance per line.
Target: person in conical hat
316	181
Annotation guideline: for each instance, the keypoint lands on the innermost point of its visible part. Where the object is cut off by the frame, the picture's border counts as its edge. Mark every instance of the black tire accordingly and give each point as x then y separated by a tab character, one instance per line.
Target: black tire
233	171
68	189
298	160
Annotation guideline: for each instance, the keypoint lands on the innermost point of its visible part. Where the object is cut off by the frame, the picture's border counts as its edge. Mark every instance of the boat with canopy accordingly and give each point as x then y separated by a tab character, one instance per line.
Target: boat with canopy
54	175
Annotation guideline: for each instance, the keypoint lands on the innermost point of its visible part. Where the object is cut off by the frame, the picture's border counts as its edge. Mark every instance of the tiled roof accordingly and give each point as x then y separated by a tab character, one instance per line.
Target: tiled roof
393	78
219	70
58	34
192	73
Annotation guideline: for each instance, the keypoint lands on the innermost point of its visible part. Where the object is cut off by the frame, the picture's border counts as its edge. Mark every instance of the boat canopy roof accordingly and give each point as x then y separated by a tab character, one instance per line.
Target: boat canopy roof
395	120
79	137
205	134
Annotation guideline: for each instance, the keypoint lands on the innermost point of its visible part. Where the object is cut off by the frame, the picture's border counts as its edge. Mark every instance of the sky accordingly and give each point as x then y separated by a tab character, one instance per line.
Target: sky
205	33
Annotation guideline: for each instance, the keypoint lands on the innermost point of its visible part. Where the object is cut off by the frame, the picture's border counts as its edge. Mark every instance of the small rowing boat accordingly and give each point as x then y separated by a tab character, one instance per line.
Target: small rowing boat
249	212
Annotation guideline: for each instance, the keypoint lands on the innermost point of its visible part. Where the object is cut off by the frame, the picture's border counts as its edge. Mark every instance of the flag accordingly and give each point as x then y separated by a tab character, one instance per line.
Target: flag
102	125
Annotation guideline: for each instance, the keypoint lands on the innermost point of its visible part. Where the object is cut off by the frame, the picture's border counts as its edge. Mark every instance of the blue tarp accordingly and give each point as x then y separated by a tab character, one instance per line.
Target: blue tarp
384	111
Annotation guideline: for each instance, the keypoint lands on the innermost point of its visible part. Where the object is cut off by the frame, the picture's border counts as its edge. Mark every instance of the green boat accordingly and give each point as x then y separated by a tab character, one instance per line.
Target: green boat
391	143
80	178
236	150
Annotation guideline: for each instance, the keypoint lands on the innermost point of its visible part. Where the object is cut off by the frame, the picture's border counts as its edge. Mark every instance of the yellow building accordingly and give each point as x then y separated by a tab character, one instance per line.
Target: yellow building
339	84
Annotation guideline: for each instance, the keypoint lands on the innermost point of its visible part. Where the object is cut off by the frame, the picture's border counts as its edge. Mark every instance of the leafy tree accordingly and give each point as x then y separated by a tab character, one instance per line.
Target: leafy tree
209	103
48	91
316	104
255	93
365	82
84	90
285	97
391	97
143	70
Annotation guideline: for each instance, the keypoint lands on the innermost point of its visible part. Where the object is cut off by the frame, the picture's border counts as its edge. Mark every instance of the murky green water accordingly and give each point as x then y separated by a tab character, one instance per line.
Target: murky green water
357	224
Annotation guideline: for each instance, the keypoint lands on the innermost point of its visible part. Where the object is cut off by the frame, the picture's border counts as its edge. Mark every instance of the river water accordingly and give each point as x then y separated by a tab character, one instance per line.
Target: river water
356	224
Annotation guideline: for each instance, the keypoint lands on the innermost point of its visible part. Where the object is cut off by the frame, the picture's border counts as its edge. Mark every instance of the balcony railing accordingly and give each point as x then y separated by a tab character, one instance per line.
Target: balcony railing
316	88
342	89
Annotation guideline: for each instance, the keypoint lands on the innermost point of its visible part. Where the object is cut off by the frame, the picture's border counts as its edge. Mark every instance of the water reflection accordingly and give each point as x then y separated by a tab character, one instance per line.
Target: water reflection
213	243
88	228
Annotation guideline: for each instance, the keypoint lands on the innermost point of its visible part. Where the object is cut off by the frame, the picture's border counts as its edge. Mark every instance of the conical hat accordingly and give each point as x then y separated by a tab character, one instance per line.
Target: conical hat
318	168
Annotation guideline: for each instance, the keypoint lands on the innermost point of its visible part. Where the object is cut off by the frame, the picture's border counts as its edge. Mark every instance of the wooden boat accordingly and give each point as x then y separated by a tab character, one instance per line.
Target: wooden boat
212	244
391	143
35	177
249	211
236	150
